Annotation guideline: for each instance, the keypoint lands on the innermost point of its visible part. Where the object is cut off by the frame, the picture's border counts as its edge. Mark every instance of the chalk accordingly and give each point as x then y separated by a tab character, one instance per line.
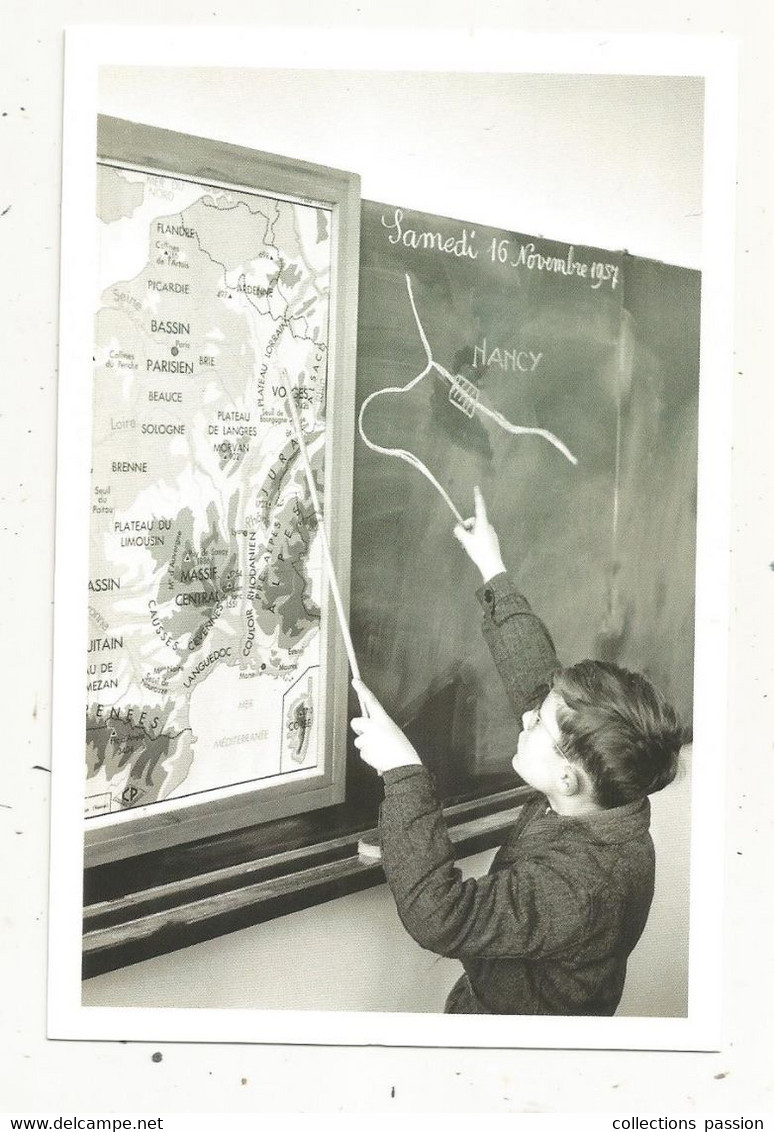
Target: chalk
369	847
333	583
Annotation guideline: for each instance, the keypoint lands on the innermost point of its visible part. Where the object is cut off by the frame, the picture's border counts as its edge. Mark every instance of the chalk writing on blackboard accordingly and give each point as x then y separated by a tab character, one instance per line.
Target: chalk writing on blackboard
503	250
464	395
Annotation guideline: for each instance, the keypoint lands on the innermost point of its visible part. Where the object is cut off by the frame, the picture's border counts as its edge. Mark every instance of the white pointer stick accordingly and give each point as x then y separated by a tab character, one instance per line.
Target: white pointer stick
326	547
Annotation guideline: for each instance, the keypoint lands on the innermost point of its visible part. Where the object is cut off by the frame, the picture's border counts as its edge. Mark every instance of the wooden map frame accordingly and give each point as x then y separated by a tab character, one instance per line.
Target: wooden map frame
141	147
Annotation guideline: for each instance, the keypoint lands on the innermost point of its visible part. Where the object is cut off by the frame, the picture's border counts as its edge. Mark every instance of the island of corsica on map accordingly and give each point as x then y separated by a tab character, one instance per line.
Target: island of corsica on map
204	650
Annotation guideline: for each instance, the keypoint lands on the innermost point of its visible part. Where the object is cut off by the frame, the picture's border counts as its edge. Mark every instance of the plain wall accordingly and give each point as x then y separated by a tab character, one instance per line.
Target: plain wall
610	161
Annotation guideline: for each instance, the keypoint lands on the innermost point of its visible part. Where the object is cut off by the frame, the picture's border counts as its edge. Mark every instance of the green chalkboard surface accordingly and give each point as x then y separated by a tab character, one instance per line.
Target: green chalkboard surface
467	335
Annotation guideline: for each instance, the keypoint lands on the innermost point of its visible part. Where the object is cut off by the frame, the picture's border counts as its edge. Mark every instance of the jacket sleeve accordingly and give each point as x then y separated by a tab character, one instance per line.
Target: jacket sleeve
533	909
519	642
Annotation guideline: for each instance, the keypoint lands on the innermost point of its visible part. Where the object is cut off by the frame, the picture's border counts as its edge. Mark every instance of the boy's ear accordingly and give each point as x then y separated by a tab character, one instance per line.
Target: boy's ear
570	781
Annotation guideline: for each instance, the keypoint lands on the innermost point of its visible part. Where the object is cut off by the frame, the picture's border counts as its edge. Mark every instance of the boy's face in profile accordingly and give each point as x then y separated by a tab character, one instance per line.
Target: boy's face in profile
538	759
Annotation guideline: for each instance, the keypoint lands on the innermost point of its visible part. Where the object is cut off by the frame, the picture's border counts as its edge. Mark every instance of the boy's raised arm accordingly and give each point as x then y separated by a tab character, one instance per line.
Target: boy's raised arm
531	909
519	642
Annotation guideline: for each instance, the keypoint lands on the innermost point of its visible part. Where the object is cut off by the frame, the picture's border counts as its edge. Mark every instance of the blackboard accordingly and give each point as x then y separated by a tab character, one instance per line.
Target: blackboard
597	348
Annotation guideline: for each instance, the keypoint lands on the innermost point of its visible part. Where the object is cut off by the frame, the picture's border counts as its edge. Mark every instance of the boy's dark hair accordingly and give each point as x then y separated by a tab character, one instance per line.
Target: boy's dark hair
619	729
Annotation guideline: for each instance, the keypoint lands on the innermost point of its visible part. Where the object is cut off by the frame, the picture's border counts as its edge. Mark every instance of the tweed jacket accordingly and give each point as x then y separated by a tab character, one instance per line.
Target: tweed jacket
549	929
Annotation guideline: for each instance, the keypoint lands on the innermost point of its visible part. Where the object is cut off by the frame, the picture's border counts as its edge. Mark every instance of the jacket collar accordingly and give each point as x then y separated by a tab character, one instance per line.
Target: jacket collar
623	823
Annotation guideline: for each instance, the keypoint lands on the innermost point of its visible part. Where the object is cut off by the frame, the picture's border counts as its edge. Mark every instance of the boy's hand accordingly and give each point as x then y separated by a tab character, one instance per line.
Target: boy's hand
479	538
381	742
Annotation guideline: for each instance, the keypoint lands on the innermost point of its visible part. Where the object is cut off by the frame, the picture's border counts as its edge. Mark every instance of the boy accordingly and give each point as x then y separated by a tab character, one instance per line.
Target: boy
549	929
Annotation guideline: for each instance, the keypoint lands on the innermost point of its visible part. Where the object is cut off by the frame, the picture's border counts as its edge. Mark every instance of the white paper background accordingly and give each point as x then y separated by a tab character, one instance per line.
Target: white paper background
36	1075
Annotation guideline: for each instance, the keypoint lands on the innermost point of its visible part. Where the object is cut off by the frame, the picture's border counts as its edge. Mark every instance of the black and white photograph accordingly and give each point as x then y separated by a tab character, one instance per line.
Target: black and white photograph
393	647
389	531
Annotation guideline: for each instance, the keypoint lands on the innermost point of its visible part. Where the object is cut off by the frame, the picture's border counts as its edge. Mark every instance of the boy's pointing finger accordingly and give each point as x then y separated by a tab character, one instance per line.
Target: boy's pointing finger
479	504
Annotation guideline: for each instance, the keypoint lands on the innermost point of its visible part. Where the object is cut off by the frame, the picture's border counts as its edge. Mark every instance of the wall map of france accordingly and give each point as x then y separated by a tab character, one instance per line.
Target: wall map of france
205	567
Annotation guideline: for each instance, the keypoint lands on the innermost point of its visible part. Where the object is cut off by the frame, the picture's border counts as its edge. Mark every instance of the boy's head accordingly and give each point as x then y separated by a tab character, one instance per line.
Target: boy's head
605	732
619	729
